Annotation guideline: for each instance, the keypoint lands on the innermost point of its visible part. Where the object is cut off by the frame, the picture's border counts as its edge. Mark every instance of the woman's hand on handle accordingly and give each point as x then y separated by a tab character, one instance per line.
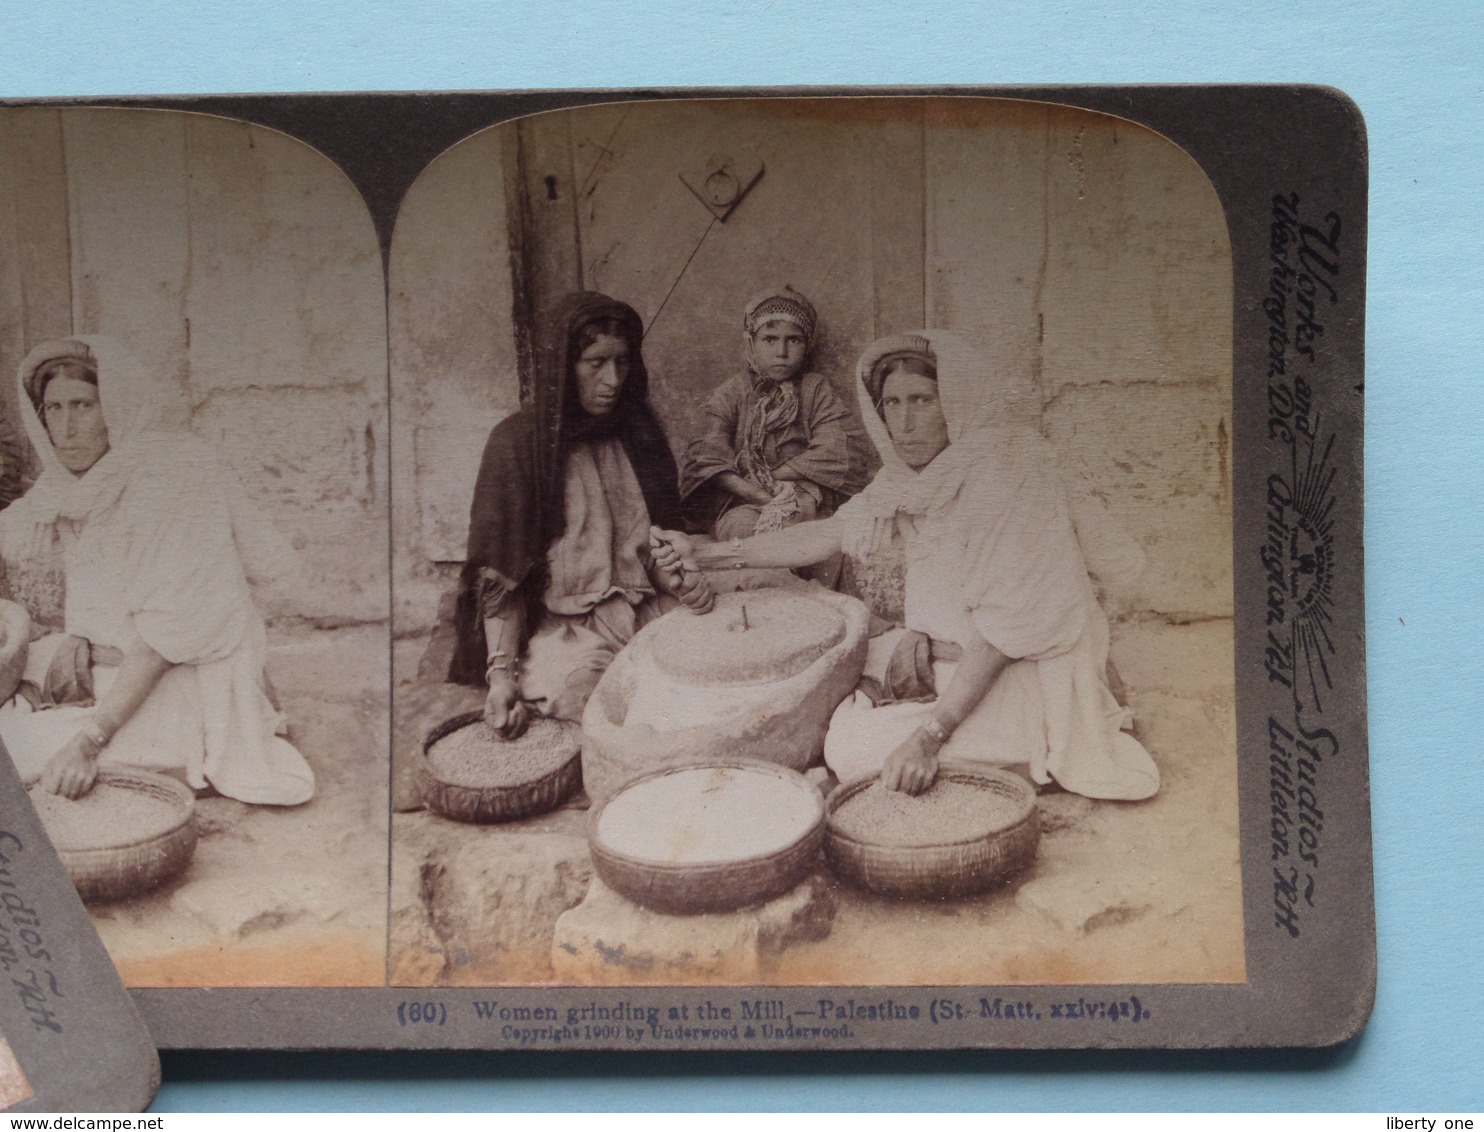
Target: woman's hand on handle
803	544
678	573
673	551
667	572
695	592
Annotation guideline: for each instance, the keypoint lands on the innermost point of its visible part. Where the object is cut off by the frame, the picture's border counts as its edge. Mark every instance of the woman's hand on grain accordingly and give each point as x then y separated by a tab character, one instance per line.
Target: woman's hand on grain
912	767
504	710
72	771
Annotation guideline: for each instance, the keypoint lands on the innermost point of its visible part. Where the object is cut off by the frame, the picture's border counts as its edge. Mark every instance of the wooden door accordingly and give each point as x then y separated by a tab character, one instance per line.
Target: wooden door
838	213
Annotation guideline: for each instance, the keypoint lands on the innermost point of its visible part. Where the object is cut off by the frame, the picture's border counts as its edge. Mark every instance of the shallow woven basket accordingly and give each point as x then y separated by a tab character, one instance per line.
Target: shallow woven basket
119	871
487	804
946	871
690	889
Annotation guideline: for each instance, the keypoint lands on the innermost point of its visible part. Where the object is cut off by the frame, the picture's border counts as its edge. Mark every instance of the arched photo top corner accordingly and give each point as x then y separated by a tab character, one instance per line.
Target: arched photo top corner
123	110
847	108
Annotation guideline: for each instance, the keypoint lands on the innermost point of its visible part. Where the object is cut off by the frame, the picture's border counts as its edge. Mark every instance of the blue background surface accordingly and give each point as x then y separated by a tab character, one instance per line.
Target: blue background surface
1417	72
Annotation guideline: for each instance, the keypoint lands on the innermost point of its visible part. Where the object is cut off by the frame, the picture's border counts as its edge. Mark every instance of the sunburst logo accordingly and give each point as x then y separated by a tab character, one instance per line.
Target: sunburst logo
1311	568
1298	557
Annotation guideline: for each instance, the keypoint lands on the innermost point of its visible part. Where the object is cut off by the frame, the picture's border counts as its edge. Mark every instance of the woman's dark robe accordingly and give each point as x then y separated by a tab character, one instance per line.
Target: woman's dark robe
517	511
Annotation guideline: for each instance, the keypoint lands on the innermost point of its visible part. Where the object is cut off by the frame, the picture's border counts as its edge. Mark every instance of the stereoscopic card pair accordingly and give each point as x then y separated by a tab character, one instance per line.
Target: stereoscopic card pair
699	569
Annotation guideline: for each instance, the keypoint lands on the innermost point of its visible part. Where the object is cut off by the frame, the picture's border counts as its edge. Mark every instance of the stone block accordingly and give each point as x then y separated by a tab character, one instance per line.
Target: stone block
447	464
1194	742
314	461
478	905
451	346
1080	903
341	665
407	655
1138	269
1184	660
422	602
499	900
301	448
345	743
609	940
219	815
232	910
1159	456
1061	810
417	952
283	285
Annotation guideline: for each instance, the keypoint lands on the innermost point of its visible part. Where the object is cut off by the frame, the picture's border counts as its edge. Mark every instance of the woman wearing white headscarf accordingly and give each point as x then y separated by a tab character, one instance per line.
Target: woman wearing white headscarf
156	539
997	555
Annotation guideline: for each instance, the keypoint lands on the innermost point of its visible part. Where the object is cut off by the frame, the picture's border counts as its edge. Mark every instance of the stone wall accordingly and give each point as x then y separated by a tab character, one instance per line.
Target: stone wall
242	268
1092	257
453	351
1088	256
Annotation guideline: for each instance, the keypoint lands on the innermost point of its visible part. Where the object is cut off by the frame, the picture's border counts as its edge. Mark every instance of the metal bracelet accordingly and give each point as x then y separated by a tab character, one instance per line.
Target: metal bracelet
501	662
936	730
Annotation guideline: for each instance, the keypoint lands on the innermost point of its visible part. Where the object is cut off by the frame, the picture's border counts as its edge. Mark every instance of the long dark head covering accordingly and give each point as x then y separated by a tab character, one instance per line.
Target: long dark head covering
558	346
518	508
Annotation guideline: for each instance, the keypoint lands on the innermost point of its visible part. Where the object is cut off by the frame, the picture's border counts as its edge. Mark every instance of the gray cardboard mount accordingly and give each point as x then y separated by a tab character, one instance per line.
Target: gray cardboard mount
71	1038
1287	167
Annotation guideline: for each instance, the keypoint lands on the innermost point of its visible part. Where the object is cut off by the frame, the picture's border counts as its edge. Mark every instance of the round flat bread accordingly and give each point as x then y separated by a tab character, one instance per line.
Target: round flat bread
749	638
709	815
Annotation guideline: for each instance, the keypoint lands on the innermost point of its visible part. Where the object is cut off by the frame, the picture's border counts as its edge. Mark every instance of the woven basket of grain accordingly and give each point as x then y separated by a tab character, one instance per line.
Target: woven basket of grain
711	838
971	830
467	773
130	833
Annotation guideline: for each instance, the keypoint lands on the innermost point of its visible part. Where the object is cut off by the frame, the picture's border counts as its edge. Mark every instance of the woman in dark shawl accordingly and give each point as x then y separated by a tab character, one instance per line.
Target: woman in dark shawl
558	577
